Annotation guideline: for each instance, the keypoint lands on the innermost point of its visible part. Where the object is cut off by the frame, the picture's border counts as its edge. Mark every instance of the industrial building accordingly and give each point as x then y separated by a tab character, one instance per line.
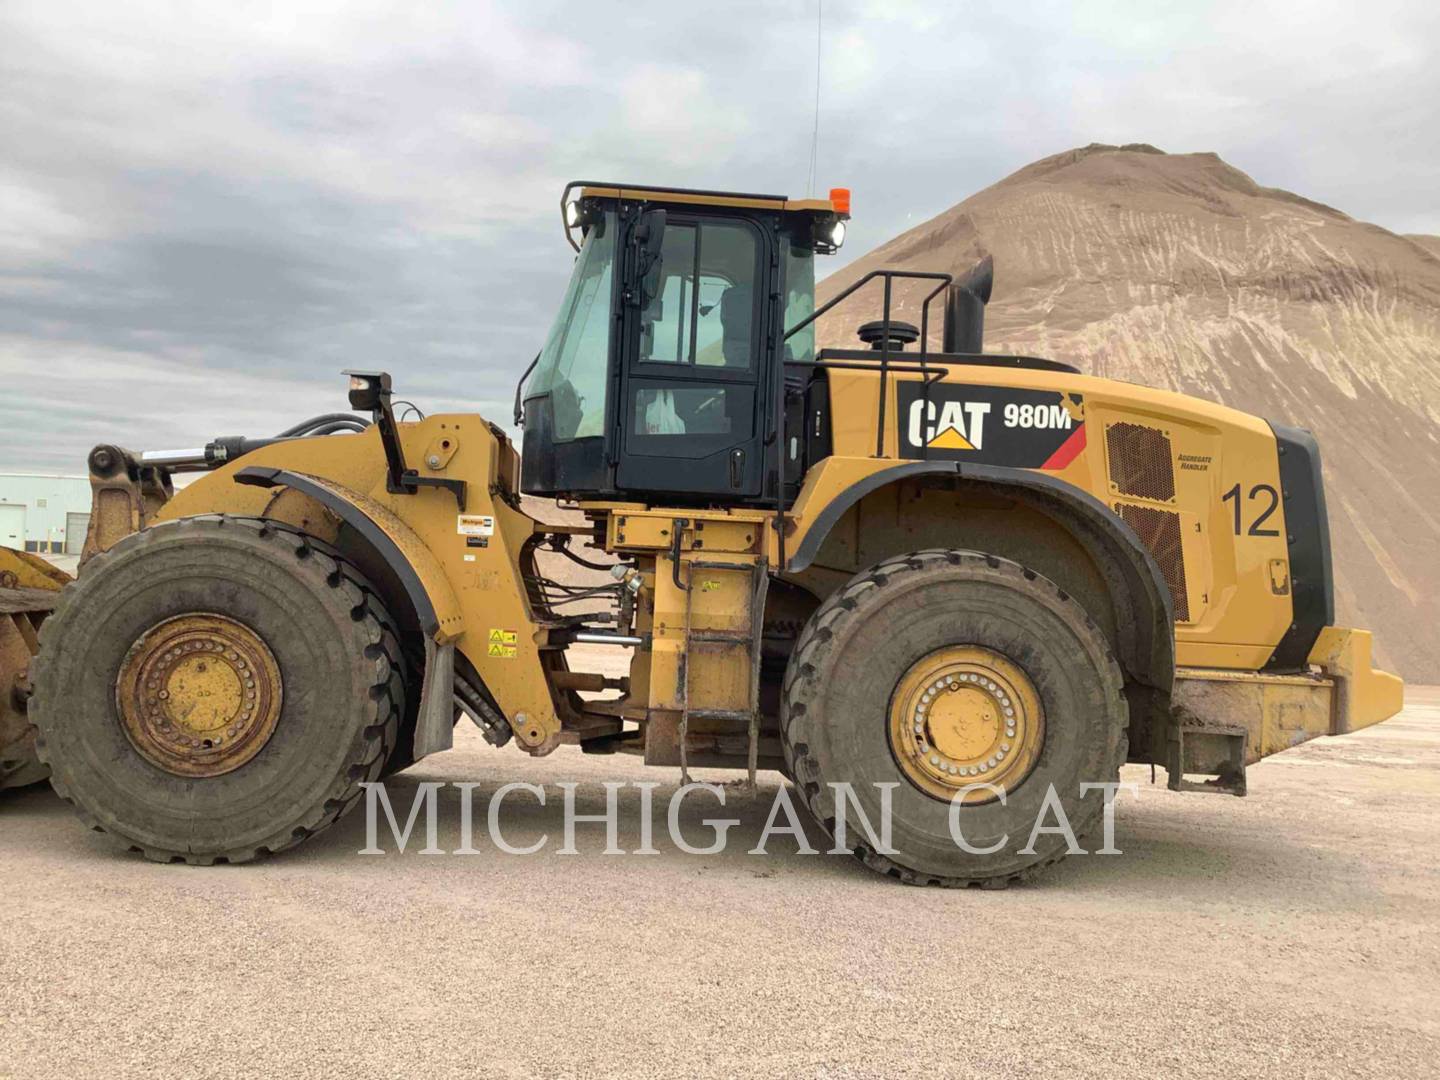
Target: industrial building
44	513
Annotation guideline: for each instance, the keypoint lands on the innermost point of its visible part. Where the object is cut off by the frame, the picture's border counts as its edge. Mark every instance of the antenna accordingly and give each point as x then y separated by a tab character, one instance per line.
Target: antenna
815	135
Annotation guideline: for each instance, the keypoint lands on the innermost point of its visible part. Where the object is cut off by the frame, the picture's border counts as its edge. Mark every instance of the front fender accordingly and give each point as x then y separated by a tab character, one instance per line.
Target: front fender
420	575
437	609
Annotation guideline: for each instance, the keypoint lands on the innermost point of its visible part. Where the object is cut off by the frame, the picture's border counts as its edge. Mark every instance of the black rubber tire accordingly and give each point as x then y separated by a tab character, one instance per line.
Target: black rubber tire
834	724
404	692
338	656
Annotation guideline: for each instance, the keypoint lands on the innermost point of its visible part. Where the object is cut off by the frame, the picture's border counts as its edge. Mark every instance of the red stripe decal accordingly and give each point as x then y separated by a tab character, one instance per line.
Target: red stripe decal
1069	449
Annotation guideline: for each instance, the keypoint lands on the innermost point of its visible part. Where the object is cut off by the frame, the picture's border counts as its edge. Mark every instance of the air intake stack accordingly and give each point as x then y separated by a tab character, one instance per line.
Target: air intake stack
965	309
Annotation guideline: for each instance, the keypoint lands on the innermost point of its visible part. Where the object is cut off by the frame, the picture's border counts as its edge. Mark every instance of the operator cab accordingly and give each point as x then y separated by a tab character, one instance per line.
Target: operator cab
662	372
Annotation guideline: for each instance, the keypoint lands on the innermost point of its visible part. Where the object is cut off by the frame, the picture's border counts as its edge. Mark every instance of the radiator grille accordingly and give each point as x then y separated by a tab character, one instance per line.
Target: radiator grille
1159	530
1140	462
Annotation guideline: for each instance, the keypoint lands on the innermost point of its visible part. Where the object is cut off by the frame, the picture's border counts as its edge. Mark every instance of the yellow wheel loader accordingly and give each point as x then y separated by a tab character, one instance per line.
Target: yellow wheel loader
964	584
29	587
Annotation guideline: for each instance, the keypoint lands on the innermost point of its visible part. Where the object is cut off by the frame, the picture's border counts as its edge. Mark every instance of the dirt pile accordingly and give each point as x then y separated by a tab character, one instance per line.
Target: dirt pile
1179	271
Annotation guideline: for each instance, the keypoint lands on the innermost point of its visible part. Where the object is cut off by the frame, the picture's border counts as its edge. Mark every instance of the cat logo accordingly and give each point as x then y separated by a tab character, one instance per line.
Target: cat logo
990	425
960	424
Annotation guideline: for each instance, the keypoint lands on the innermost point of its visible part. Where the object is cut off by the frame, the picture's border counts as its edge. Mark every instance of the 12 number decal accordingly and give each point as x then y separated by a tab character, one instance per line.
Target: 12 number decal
1269	500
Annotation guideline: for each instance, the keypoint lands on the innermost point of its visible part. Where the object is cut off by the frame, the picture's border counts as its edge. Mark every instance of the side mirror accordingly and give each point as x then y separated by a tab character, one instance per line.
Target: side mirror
649	239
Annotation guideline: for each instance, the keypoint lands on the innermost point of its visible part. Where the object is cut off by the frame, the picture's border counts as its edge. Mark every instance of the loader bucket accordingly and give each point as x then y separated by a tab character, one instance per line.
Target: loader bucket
29	588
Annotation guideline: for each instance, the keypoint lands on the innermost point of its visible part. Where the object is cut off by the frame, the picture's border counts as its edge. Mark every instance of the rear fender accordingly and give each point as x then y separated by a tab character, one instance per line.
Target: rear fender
1144	619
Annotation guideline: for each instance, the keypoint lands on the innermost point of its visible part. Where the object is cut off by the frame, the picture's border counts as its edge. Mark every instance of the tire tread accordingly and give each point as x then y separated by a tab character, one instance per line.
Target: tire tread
808	666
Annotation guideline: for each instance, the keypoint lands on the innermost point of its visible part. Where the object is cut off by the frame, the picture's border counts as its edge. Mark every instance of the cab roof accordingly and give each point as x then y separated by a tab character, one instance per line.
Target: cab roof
744	200
838	204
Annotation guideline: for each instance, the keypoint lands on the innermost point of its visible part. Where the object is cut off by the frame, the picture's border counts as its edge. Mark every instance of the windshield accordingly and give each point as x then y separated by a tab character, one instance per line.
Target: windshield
574	365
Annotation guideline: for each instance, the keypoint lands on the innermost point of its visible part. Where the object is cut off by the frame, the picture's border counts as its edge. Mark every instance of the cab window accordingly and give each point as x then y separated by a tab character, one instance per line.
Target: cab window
799	299
703	312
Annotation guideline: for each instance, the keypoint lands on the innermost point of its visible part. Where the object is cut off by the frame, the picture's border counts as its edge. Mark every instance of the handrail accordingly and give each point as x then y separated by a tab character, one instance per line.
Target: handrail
889	276
944	282
863	365
519	411
927	275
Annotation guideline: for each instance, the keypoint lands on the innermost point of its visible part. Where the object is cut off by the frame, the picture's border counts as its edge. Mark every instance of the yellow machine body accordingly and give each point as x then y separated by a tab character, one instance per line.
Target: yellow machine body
1181	526
697	668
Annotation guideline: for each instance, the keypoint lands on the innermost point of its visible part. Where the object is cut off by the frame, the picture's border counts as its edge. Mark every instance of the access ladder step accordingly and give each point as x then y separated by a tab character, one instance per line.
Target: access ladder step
1214	751
722	637
720	714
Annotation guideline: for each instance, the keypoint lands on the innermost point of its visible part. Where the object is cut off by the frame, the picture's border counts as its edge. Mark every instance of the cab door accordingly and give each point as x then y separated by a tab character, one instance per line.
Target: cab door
690	400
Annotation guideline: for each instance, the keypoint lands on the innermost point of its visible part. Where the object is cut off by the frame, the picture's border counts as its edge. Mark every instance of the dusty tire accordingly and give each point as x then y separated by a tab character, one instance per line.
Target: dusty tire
886	619
400	747
336	652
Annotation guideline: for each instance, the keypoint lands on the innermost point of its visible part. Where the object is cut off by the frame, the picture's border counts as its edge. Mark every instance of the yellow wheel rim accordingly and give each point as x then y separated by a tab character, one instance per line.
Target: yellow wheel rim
966	715
199	695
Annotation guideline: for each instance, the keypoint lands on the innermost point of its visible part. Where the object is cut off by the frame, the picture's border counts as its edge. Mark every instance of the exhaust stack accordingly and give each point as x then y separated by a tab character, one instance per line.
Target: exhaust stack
965	309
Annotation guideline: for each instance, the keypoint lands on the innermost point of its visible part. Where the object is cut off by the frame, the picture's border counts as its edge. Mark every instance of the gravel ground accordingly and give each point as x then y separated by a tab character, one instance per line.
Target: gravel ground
1290	933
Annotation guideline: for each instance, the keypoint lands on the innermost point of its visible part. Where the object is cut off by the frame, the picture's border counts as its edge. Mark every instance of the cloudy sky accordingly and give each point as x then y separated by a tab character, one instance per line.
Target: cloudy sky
207	210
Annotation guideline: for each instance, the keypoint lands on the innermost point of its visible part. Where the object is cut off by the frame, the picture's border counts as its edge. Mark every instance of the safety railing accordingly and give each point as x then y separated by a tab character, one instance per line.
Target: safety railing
883	358
886	365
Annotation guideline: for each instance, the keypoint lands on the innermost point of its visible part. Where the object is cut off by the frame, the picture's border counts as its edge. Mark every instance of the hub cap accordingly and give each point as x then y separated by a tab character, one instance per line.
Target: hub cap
965	715
199	695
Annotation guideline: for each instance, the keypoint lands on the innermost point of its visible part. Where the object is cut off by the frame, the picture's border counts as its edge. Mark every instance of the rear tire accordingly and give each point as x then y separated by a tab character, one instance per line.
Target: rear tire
888	620
337	656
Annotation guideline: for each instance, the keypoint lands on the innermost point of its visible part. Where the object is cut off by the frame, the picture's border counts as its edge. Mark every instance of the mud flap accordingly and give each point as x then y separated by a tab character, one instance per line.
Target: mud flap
435	725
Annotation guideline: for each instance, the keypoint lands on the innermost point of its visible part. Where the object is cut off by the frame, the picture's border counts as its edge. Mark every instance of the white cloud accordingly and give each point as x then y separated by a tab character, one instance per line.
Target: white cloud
847	63
33	222
676	115
213	199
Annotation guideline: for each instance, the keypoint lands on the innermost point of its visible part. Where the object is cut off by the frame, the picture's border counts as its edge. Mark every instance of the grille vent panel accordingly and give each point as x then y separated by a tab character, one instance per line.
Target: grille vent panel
1140	461
1159	530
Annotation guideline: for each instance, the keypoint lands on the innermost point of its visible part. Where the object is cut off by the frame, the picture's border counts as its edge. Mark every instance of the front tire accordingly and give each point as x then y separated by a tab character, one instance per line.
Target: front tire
900	640
168	651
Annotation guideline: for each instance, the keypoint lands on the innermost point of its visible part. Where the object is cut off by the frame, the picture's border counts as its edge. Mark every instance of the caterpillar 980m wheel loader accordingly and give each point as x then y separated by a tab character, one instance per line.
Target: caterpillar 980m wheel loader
951	576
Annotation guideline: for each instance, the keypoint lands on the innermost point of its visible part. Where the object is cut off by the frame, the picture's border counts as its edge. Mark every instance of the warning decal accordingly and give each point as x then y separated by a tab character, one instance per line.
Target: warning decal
502	644
991	425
